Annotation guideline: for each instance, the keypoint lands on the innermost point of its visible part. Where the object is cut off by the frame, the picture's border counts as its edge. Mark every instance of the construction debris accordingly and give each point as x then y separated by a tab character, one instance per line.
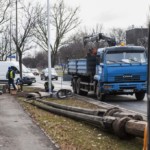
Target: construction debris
124	126
64	93
74	109
3	88
61	94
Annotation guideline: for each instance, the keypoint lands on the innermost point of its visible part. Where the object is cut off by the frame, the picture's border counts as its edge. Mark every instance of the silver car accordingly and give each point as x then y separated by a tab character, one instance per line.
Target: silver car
44	74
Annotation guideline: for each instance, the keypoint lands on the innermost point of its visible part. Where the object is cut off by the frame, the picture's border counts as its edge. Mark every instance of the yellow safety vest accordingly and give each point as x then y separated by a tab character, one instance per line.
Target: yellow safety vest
11	74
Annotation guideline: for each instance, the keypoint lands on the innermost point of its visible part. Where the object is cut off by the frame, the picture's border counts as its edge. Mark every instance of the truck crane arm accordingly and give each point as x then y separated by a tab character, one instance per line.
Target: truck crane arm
97	38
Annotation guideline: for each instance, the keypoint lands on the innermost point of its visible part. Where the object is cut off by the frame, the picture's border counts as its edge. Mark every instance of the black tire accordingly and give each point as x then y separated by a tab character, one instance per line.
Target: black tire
84	93
29	83
140	96
99	95
80	92
64	93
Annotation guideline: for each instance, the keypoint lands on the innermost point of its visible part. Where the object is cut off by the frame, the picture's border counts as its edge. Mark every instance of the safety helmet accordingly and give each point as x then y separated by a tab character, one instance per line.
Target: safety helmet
9	68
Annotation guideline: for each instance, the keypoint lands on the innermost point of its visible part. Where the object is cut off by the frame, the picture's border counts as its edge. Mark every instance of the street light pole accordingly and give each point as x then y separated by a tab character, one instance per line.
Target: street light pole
16	30
148	93
49	49
10	37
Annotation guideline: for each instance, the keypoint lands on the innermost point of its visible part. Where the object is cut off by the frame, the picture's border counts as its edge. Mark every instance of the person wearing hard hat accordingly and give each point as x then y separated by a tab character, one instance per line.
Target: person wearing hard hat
10	76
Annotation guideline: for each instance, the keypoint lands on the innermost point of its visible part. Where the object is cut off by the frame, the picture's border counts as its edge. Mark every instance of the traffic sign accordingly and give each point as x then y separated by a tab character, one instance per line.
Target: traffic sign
12	56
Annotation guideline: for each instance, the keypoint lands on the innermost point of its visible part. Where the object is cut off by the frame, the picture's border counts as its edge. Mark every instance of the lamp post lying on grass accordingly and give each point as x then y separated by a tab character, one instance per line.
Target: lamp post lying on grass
124	127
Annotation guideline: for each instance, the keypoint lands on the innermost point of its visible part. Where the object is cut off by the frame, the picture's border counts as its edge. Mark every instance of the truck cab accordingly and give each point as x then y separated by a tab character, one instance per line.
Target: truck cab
121	70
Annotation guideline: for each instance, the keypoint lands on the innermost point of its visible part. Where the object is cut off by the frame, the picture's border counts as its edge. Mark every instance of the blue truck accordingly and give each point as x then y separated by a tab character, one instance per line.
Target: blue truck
115	70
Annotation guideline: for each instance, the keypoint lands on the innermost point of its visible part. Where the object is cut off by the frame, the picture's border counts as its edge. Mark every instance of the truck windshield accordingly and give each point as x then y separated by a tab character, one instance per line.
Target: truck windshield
125	57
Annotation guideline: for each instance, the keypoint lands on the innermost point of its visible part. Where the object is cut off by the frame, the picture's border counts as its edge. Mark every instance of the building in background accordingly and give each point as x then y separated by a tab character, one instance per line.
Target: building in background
137	37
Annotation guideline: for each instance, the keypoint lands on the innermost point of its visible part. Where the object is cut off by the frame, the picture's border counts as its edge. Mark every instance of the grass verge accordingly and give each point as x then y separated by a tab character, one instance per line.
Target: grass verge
74	135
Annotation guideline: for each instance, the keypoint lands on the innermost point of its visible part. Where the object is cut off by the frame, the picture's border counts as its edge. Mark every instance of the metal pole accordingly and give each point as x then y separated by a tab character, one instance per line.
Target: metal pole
10	37
16	31
148	93
49	49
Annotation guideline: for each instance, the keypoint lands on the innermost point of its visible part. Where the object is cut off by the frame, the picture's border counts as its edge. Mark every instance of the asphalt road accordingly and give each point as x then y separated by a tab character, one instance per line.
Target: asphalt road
125	101
58	84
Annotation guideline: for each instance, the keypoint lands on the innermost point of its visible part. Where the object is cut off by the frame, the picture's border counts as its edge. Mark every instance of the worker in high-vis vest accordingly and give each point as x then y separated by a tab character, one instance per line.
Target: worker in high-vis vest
10	76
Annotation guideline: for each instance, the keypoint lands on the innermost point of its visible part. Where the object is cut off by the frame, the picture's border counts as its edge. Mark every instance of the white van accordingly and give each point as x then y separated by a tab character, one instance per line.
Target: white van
28	77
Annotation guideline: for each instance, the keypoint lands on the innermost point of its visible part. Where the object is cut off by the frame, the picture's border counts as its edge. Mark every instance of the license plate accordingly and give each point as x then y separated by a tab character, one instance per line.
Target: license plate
128	90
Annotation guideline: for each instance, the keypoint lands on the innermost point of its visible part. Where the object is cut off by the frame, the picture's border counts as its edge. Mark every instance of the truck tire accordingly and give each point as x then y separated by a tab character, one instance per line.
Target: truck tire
140	96
80	92
99	95
74	86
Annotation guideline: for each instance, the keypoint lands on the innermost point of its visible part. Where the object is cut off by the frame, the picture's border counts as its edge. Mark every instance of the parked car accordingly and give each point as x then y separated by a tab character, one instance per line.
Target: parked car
26	80
44	74
35	71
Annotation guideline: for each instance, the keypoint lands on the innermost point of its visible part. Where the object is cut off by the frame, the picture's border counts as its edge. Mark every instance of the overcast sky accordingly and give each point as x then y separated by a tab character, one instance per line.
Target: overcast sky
112	13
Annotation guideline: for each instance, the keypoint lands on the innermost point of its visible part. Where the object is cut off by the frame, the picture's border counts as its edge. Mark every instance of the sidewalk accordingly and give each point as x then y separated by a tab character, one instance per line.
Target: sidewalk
17	130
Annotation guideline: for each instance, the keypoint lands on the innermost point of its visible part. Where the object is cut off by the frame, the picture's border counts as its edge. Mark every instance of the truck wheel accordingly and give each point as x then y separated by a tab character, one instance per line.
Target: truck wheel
80	92
140	96
99	96
74	82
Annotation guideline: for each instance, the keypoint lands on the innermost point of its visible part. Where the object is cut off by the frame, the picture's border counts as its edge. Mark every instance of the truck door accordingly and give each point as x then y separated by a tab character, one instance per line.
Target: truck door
99	66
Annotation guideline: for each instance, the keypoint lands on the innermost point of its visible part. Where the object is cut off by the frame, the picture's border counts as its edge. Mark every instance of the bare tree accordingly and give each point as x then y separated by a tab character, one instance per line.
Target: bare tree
4	5
24	41
5	49
39	61
74	47
97	29
143	42
119	34
63	20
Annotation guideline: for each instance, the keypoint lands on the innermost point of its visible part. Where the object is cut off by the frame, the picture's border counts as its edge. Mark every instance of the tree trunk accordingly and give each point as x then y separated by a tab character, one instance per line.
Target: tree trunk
53	58
20	66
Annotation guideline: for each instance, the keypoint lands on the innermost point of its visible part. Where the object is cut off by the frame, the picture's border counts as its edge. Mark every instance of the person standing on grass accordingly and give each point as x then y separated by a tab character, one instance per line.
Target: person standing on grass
10	76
